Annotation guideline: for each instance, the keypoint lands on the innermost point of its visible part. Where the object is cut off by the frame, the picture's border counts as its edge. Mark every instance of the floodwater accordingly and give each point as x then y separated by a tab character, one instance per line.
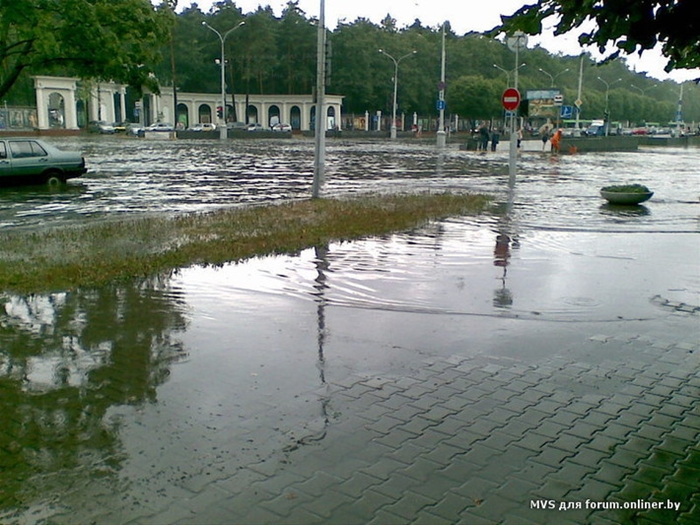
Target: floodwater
120	402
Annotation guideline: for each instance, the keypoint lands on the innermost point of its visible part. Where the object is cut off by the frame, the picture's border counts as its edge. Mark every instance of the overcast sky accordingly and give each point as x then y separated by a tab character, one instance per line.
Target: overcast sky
464	16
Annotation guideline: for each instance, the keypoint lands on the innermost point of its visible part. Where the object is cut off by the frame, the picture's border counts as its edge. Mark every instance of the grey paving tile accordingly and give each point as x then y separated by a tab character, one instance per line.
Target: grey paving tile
358	484
422	470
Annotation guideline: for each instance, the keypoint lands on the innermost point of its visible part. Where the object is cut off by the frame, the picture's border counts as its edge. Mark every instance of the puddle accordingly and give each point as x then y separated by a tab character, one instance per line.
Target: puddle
122	402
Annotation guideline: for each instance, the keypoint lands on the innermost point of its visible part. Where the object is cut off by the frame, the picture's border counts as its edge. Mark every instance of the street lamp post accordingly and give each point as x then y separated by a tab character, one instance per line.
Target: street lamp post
552	77
396	85
607	109
222	120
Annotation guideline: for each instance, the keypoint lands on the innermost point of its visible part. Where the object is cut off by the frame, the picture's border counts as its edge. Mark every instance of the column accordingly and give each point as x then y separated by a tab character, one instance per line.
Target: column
42	110
71	115
122	103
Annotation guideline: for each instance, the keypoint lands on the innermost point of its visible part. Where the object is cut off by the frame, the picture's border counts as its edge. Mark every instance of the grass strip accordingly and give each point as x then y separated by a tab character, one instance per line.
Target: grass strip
95	254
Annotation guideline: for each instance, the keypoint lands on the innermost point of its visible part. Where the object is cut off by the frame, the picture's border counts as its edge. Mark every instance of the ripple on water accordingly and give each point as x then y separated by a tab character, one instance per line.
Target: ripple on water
552	193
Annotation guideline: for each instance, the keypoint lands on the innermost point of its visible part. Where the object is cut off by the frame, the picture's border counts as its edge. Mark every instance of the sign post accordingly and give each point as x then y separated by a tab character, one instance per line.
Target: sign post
511	100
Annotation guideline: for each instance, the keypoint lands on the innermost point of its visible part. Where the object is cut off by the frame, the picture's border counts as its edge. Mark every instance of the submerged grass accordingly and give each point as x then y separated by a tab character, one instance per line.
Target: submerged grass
96	254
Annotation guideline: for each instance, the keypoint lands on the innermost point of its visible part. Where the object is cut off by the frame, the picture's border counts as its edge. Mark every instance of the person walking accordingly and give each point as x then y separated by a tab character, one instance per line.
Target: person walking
495	139
544	133
483	138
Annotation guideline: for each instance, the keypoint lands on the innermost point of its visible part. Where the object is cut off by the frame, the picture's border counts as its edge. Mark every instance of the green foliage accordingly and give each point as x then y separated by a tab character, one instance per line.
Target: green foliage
628	26
475	96
277	54
103	39
627	188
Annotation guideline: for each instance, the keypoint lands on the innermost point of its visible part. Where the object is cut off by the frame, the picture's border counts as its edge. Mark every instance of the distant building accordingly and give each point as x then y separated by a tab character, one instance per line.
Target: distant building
65	102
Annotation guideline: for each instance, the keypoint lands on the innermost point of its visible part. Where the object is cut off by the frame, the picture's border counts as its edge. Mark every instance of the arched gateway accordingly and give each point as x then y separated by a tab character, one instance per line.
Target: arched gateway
107	101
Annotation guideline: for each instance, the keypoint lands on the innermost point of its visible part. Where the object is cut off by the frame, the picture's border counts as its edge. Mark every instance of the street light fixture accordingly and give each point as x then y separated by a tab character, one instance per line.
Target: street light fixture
643	90
222	123
552	77
396	84
509	72
607	112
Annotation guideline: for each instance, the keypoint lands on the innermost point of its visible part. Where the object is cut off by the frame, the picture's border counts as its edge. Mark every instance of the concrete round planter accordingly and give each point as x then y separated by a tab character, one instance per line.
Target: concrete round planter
630	194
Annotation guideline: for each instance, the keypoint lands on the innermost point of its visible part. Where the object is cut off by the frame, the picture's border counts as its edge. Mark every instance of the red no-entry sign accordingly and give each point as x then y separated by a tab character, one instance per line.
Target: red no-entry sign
510	99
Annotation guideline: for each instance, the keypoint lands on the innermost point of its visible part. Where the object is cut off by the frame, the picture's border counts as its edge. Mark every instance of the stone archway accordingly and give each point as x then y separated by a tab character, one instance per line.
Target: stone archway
204	114
295	117
331	122
55	102
252	114
273	115
56	111
183	115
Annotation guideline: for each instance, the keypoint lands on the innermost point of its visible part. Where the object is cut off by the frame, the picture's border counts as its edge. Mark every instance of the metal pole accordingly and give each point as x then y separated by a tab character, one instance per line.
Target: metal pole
441	139
222	120
513	145
396	85
393	111
320	143
578	99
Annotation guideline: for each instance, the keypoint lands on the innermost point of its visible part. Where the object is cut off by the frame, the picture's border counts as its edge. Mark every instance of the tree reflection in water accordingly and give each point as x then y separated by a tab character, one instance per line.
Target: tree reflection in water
65	359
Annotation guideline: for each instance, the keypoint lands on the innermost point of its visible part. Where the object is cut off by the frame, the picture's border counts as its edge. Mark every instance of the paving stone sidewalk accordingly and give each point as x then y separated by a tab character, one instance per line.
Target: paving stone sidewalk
476	440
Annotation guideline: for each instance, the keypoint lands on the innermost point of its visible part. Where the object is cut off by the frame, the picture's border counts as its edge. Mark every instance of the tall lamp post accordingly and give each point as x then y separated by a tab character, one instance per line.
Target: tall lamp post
396	85
607	109
222	119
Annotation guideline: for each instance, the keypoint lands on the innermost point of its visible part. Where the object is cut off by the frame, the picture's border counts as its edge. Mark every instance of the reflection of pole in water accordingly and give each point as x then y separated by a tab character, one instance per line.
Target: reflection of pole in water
440	165
501	255
320	286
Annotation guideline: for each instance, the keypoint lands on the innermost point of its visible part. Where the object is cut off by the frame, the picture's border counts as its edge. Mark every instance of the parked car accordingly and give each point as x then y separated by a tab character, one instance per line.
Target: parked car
282	127
120	127
134	130
237	126
100	126
34	161
161	126
203	127
255	127
595	130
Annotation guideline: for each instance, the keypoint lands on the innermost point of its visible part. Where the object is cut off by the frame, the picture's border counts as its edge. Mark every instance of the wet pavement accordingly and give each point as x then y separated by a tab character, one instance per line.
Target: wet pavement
520	367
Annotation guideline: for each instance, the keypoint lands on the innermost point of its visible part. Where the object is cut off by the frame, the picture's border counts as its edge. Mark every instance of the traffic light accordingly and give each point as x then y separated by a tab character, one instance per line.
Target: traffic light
219	111
524	108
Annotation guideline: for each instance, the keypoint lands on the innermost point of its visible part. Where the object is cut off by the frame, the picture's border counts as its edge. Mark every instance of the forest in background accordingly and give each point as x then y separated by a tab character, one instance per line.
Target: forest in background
277	55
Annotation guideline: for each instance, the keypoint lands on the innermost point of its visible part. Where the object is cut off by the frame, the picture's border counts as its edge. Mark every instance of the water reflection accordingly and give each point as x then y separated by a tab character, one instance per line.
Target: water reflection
90	393
65	359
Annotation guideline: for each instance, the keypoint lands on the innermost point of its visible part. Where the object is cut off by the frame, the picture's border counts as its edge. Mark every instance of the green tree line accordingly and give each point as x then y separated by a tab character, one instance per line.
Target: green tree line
277	55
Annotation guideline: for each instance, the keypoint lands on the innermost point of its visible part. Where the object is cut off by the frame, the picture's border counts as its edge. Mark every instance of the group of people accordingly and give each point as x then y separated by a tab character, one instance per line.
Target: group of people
494	136
554	138
546	132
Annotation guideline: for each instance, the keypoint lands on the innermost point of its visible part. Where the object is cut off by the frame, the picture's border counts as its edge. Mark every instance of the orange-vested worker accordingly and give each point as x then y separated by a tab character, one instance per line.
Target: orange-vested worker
556	141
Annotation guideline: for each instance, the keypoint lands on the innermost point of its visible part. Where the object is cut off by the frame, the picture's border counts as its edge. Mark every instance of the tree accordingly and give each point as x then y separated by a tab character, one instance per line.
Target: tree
296	49
629	26
475	97
100	39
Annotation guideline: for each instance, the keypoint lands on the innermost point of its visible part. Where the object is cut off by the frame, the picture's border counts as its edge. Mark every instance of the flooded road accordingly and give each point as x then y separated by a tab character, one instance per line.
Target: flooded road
133	401
138	176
